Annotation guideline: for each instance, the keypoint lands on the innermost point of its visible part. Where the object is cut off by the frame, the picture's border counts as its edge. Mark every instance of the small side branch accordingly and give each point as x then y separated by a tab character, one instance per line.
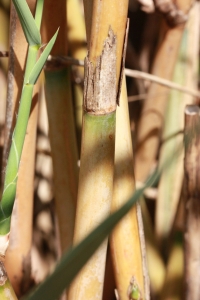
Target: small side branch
66	60
164	82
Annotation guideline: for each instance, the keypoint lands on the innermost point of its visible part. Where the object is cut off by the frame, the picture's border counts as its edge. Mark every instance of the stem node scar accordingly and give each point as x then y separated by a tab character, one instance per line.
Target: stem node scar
100	83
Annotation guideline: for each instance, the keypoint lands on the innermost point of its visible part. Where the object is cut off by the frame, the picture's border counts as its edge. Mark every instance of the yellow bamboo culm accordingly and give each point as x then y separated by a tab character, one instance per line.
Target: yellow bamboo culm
105	27
128	261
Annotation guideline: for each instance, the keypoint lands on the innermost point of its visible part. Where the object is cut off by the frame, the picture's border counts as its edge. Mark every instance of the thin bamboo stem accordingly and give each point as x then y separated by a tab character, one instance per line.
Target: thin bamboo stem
128	258
192	196
18	262
61	125
171	180
164	82
78	50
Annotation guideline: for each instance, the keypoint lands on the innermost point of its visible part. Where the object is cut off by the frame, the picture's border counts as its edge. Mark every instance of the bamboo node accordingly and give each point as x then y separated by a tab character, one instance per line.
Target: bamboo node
100	94
173	15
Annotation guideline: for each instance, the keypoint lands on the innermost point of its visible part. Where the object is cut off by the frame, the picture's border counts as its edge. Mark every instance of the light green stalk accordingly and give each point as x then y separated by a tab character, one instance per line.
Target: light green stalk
171	181
61	126
186	73
32	72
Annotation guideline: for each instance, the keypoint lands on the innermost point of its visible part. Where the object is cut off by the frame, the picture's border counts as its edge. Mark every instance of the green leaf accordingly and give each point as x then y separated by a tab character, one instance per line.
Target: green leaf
41	61
72	262
28	23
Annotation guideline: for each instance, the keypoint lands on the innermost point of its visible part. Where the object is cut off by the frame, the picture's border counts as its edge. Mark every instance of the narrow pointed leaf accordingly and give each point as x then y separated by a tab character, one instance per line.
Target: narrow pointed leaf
41	61
72	262
28	23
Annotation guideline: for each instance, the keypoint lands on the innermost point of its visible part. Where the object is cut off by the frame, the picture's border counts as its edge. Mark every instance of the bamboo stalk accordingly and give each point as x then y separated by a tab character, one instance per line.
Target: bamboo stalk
78	50
105	27
61	125
128	258
154	108
32	72
18	260
89	283
192	195
186	72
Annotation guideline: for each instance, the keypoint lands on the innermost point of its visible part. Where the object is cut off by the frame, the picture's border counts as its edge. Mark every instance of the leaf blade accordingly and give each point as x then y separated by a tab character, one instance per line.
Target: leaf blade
28	23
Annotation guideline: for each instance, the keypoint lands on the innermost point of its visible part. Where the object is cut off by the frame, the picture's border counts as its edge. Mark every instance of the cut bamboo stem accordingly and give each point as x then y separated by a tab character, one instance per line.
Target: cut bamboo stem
61	125
105	26
192	202
152	117
128	258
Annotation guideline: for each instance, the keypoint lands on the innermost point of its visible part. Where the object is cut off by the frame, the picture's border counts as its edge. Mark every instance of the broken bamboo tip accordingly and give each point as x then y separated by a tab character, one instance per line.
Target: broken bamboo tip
100	83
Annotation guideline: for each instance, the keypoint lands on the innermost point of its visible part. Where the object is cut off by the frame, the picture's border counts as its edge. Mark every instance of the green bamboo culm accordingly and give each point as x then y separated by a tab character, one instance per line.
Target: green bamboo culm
33	68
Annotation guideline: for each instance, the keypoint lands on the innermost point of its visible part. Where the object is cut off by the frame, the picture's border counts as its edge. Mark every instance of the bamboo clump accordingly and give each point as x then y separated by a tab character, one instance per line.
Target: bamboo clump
70	239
